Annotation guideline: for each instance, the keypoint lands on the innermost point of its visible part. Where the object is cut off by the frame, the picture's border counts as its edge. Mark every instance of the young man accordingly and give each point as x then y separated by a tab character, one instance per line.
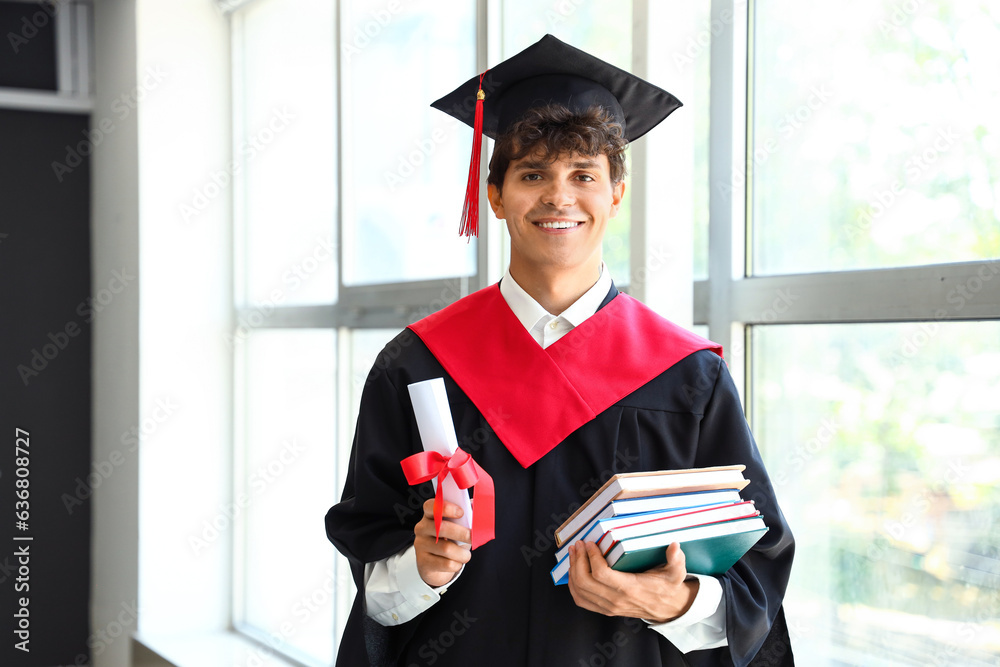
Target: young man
555	382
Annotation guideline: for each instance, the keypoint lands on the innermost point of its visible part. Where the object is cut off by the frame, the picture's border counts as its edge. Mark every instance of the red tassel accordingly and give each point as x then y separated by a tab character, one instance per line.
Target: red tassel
470	211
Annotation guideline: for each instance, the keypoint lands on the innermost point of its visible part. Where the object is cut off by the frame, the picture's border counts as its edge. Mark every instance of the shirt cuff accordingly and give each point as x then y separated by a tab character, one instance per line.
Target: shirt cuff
394	591
703	626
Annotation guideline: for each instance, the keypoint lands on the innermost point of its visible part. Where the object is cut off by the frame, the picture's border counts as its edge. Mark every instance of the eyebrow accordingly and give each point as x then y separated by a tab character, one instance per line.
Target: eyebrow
532	165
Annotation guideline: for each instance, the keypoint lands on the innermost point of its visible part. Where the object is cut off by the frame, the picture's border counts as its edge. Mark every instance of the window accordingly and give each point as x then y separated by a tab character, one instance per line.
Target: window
607	35
884	449
851	278
875	136
843	213
405	163
285	576
348	191
283	118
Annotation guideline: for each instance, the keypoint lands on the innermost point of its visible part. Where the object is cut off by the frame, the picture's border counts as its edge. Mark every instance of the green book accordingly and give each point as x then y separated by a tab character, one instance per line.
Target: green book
710	549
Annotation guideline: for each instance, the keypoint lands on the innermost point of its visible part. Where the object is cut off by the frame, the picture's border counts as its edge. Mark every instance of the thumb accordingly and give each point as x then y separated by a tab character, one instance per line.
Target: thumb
676	562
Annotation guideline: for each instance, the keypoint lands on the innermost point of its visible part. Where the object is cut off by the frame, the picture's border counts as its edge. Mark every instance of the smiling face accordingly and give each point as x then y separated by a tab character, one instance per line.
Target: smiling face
556	212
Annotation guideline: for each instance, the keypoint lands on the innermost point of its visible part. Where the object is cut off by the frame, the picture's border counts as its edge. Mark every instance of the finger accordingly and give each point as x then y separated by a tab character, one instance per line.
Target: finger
589	593
449	511
435	570
449	530
595	559
676	569
579	578
606	583
427	544
579	563
582	573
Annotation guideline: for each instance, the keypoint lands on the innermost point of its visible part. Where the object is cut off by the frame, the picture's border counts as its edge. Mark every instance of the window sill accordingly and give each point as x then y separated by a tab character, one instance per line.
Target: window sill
209	649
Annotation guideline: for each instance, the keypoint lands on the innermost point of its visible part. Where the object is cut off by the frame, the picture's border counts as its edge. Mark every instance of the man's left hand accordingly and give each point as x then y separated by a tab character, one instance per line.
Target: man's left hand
657	595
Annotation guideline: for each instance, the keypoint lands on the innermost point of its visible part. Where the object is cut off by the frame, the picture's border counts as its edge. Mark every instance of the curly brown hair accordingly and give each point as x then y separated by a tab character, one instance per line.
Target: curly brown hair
553	130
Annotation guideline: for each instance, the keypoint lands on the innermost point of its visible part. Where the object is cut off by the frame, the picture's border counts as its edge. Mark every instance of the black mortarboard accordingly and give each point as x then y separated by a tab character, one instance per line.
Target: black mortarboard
549	71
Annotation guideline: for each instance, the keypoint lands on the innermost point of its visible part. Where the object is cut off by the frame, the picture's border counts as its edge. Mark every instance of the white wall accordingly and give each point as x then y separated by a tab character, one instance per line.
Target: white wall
185	363
161	366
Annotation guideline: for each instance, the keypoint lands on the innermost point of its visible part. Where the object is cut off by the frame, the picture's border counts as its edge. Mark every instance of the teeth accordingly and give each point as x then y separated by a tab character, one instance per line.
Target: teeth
557	225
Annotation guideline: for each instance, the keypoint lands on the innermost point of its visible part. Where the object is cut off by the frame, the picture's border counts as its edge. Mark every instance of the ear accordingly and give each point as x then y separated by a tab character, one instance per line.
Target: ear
496	201
617	194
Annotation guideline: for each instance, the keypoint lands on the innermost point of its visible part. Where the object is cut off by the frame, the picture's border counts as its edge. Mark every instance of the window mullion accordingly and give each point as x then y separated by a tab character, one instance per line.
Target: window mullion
727	144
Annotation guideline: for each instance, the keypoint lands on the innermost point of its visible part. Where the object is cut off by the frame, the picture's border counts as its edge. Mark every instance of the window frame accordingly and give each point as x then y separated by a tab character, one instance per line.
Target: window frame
731	302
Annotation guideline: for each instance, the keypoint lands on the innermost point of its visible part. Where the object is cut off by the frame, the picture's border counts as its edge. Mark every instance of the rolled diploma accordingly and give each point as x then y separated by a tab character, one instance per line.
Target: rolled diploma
437	433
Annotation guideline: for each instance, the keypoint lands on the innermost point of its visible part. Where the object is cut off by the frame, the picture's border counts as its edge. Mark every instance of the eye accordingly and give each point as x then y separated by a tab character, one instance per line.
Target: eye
586	177
532	177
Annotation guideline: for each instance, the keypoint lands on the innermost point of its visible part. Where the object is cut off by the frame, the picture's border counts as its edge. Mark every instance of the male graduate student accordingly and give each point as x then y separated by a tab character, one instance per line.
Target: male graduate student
555	381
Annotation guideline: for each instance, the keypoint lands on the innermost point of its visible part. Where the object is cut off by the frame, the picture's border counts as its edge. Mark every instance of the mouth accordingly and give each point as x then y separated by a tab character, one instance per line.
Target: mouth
557	224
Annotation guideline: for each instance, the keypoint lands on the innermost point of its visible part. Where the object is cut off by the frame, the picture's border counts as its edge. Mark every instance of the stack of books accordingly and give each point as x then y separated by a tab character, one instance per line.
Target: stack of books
634	517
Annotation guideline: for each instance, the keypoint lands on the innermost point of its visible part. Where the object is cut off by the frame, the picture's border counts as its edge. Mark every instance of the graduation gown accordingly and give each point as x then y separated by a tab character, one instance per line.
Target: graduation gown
504	608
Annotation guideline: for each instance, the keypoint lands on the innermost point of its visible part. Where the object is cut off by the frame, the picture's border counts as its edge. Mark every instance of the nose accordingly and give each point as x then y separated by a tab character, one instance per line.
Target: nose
558	194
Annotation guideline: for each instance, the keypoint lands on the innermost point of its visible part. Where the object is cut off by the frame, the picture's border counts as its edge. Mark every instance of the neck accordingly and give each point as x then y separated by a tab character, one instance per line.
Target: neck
555	290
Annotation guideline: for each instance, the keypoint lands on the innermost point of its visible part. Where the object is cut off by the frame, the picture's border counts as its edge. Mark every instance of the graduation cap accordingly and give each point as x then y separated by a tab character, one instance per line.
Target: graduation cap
549	71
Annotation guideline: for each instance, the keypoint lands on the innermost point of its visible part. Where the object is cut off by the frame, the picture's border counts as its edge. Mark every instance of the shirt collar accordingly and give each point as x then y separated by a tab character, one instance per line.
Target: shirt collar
529	312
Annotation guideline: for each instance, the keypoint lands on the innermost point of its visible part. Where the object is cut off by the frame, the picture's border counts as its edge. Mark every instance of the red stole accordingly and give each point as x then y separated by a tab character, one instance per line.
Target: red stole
533	398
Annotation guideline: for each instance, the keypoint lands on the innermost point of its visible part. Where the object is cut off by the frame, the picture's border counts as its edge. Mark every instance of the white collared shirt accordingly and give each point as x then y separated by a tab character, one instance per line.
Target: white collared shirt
394	591
544	327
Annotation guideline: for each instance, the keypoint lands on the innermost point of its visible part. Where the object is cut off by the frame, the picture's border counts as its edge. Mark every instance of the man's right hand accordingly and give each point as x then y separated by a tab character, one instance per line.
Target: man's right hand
439	560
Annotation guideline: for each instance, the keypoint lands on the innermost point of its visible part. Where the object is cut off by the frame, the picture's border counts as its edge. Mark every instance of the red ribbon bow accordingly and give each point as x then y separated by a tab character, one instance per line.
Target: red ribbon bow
425	466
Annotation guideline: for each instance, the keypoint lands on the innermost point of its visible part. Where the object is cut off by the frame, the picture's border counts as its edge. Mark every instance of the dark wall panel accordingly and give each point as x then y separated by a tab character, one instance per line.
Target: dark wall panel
45	388
28	49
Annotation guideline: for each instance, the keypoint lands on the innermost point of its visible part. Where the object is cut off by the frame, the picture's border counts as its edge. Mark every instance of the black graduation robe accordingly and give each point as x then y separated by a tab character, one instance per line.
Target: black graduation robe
504	608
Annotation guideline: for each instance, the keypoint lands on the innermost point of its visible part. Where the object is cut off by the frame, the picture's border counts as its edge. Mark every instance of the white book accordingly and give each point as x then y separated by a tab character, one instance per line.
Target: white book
642	527
660	482
620	512
696	543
